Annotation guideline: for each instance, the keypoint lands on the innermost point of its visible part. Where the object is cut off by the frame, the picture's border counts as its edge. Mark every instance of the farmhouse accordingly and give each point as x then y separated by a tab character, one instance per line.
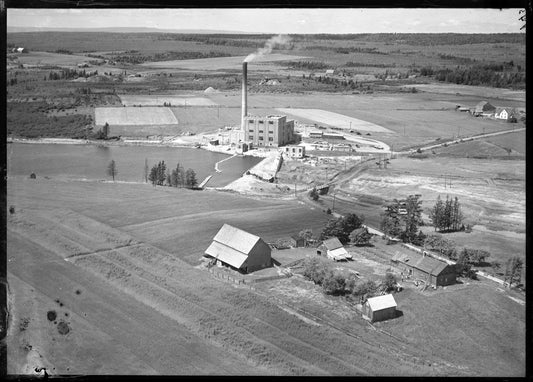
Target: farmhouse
334	249
505	113
379	308
239	250
432	271
483	108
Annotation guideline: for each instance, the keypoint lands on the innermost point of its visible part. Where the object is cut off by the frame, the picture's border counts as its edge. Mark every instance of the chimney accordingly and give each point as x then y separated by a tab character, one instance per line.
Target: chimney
244	93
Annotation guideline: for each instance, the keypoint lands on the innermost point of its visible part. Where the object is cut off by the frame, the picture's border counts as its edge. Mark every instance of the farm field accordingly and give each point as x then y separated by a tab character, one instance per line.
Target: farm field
113	270
478	91
411	118
334	119
218	63
45	58
134	116
158	100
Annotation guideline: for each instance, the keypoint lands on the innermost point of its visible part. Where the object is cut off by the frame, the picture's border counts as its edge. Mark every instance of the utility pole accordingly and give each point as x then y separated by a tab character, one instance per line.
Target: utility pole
333	208
326	174
295	189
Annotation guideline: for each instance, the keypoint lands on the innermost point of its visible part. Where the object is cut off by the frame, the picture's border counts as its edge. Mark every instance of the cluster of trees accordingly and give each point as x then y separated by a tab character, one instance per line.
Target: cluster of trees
447	216
403	218
27	119
12	81
134	57
167	104
335	283
311	65
69	74
342	227
178	177
242	41
479	75
369	64
513	270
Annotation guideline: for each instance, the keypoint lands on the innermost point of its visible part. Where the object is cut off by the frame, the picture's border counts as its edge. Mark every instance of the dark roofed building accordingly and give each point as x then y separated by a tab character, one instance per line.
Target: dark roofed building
334	249
431	270
239	249
483	107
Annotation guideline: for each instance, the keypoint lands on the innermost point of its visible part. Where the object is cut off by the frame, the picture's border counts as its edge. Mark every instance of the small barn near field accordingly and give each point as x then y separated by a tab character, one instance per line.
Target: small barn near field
239	250
297	241
379	308
432	271
333	249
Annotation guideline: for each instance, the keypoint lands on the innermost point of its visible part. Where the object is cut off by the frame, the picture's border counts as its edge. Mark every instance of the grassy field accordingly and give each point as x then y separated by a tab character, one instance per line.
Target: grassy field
134	116
129	251
159	100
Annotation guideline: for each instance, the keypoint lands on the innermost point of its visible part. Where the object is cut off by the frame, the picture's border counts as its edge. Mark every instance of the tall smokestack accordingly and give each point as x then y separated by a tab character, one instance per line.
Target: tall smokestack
244	92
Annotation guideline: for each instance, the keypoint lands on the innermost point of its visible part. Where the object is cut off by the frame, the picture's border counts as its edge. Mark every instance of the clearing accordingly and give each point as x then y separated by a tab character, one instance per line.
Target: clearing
160	99
134	116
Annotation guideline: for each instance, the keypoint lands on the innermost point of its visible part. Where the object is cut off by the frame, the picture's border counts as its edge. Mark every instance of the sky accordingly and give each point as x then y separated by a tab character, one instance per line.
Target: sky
281	20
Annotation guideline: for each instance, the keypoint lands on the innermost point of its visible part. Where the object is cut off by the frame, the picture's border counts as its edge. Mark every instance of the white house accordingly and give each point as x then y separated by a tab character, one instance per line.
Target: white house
504	113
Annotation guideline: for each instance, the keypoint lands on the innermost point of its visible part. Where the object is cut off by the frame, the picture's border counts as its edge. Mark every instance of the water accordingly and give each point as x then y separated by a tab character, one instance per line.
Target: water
91	161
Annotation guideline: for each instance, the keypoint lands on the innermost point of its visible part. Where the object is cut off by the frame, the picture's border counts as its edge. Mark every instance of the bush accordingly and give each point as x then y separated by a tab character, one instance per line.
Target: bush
334	283
314	270
389	282
368	288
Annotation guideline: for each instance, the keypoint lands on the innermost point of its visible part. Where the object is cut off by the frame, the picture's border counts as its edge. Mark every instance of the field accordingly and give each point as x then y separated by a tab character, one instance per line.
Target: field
333	119
159	100
219	63
129	252
134	116
491	192
52	59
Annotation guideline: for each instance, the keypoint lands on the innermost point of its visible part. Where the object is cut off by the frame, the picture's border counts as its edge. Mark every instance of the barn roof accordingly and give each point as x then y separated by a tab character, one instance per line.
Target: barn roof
381	302
509	110
426	264
332	243
339	253
232	245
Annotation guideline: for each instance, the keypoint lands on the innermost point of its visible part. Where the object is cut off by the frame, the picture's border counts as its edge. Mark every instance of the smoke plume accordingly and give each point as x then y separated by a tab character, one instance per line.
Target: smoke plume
269	45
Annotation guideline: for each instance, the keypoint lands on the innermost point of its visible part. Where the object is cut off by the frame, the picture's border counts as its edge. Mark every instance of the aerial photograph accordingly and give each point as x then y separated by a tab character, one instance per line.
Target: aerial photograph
265	192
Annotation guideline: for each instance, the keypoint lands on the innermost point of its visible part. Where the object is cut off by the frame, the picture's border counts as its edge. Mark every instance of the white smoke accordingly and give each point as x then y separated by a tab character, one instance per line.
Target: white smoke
269	45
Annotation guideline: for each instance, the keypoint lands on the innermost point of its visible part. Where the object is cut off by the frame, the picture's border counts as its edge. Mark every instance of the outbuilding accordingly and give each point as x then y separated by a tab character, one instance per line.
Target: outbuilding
379	308
333	249
426	268
239	250
484	108
297	241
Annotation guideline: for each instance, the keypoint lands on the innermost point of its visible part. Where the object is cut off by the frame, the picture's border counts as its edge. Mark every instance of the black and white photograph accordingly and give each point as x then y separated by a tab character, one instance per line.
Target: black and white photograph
264	192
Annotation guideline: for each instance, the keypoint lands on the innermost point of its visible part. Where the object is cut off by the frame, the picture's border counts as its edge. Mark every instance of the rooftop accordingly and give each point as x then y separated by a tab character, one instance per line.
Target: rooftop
382	302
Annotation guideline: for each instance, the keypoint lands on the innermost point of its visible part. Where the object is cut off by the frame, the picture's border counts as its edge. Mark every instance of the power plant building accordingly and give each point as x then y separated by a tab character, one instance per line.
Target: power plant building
270	131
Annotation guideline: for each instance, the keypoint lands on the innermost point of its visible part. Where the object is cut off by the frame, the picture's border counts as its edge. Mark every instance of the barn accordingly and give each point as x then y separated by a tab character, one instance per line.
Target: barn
483	107
239	250
432	271
379	308
333	249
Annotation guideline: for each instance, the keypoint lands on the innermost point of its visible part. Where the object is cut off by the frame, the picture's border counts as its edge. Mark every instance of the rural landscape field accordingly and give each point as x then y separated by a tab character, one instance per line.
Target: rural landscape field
122	172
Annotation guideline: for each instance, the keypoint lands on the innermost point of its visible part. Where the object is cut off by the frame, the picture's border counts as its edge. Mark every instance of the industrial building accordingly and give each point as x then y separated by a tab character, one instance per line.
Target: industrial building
239	250
270	131
425	268
379	308
256	131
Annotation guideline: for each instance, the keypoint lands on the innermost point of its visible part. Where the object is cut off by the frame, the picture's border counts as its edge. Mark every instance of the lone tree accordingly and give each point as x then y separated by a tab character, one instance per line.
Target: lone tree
513	270
112	169
313	194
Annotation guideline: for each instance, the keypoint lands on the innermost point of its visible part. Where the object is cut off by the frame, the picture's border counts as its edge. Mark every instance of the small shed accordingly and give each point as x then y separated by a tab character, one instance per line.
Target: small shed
333	249
239	250
379	308
297	241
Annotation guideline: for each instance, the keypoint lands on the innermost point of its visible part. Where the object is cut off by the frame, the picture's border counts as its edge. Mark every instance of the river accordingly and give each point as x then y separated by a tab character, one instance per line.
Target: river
91	161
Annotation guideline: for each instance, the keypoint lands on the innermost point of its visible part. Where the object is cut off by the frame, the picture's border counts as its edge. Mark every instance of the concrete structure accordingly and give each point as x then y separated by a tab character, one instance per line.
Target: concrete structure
333	249
269	131
432	271
342	147
294	151
483	108
329	135
379	308
244	106
239	249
